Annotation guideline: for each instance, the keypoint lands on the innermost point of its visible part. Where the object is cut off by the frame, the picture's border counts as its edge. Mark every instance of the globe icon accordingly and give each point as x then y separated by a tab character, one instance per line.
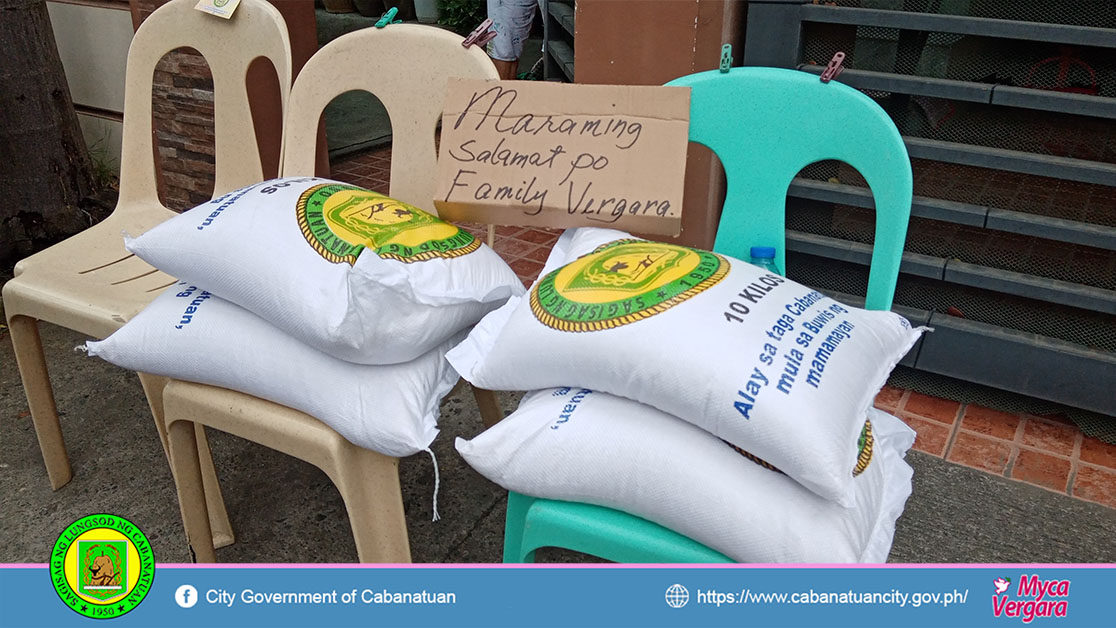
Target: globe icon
677	596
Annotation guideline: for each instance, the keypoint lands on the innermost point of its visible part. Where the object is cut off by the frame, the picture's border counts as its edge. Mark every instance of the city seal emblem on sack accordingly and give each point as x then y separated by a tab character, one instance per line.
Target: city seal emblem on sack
865	444
622	282
340	221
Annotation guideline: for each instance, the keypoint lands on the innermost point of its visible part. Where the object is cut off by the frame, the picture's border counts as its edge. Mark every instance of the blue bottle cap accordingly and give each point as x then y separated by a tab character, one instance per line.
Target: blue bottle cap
763	252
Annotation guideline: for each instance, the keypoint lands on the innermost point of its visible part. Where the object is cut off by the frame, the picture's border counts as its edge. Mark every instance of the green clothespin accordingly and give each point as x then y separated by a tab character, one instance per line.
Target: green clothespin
388	18
726	57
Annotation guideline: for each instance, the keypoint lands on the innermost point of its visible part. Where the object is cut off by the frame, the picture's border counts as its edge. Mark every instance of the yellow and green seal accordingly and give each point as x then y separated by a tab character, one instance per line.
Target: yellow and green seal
864	445
102	566
622	282
340	221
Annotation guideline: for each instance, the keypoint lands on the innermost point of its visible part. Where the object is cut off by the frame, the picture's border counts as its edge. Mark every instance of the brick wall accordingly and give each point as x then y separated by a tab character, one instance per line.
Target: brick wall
183	108
182	97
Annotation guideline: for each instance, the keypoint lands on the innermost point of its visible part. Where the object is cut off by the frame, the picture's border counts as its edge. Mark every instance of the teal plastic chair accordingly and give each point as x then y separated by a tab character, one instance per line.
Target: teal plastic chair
765	125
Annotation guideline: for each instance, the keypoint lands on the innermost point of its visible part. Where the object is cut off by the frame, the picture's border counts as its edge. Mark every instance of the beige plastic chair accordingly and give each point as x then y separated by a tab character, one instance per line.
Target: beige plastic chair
89	282
406	66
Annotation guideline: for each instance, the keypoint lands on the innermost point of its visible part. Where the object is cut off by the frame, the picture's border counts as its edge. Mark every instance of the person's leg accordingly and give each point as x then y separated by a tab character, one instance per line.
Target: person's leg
512	21
506	69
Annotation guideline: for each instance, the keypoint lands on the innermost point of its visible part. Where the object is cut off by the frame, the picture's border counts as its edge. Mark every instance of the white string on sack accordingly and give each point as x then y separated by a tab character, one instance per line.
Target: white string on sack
436	482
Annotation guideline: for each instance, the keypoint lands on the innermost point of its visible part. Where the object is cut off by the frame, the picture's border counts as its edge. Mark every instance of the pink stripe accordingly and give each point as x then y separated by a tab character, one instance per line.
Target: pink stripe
639	566
603	566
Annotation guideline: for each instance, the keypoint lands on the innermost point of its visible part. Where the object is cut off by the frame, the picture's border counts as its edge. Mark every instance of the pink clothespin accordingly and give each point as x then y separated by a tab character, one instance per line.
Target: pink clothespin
834	68
480	35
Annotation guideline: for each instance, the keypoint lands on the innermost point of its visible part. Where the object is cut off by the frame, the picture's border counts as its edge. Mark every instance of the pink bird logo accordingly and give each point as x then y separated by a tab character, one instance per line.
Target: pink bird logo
1001	584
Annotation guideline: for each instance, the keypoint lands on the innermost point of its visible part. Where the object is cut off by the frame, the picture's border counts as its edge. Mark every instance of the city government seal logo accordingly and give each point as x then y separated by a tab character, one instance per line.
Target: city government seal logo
340	221
102	566
864	447
622	282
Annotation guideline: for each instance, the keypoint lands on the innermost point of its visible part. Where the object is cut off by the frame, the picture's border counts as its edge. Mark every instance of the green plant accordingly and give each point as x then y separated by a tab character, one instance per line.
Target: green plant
462	16
105	171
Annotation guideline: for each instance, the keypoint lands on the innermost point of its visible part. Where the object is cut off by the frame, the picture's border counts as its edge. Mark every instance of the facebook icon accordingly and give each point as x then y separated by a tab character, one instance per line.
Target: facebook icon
186	596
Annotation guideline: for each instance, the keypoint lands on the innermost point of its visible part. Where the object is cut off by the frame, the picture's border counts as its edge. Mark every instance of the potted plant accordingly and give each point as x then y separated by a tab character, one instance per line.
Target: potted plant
426	11
461	16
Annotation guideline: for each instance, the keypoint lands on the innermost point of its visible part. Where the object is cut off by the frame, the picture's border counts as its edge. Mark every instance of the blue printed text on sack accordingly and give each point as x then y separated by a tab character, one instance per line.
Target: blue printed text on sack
192	308
813	324
570	407
223	203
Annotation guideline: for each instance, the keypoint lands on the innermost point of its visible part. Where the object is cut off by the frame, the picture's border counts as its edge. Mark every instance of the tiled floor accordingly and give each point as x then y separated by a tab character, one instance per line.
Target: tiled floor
1050	452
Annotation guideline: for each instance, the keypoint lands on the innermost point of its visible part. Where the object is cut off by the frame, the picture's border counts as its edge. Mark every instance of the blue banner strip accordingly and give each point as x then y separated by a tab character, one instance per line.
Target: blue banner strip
1009	595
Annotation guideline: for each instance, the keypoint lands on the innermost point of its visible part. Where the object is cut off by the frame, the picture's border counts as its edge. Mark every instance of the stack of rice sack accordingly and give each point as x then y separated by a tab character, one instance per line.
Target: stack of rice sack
699	392
317	295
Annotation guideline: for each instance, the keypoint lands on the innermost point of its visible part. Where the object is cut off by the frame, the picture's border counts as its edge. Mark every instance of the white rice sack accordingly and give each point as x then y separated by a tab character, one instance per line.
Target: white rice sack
351	272
767	364
189	334
584	446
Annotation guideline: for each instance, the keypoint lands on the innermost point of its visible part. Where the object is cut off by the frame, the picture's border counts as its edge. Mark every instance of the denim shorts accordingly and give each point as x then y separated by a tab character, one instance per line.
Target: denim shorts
512	21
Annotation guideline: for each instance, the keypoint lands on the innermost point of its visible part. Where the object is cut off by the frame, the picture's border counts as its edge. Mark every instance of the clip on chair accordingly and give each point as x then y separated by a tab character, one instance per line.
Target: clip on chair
412	89
765	125
89	282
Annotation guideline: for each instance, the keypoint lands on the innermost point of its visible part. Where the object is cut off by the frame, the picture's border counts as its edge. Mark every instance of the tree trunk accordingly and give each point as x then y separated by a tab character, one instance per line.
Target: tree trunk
45	170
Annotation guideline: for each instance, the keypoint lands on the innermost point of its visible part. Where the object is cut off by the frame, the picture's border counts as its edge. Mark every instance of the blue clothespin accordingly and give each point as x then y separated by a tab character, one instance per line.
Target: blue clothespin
388	18
726	58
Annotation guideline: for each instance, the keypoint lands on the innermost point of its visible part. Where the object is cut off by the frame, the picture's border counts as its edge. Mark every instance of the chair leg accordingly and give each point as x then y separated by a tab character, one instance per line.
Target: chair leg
40	398
490	410
369	485
515	523
223	535
218	517
153	390
182	438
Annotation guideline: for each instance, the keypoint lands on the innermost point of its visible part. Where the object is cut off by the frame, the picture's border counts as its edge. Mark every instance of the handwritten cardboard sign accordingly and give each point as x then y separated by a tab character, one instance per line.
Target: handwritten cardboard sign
559	155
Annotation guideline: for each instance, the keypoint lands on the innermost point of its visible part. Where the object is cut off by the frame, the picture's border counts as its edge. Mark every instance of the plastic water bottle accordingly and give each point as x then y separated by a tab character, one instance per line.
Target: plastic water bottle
764	257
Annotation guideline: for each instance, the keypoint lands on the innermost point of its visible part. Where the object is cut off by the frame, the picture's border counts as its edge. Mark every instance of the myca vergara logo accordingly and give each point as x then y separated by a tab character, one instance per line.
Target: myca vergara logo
340	221
622	282
102	566
1033	598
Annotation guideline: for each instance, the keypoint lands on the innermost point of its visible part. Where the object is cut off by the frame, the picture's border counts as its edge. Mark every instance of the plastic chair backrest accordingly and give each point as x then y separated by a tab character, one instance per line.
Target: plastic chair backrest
226	45
406	66
765	125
